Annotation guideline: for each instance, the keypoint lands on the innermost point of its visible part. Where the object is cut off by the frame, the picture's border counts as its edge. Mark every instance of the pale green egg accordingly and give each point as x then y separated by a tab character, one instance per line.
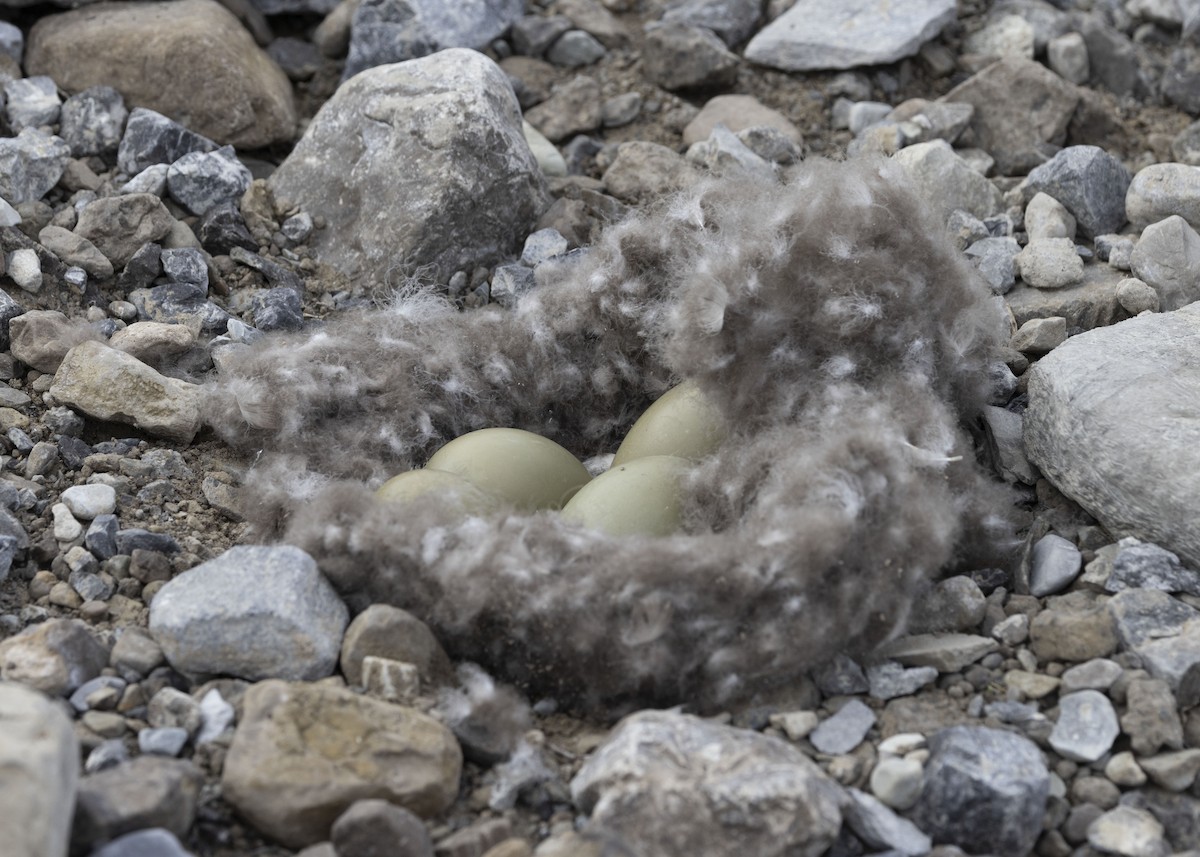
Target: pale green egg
683	423
524	469
414	485
641	497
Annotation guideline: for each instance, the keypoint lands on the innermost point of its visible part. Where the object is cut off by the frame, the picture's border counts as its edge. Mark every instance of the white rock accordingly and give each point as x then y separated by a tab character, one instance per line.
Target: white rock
66	528
25	269
1086	728
1128	832
1050	263
90	501
1046	217
897	781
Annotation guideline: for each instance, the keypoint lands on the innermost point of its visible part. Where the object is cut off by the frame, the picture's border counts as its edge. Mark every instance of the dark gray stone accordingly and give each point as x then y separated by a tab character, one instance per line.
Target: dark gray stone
278	309
30	164
576	48
841	677
79	698
733	20
509	282
9	309
31	102
185	265
179	303
276	274
982	788
1147	566
201	180
154	842
142	269
533	35
134	539
890	680
391	31
300	59
843	731
90	586
375	828
12	40
1056	564
1089	182
1112	57
149	791
833	34
1142	615
1181	81
151	138
1092	403
101	536
679	56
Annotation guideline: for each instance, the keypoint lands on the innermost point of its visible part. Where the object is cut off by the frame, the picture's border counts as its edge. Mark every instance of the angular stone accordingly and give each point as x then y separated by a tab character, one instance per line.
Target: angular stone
1151	718
1050	263
149	791
32	101
392	31
110	385
954	604
947	653
1137	297
1089	182
1020	106
416	201
192	61
120	225
1096	674
1039	336
362	830
30	164
681	56
389	632
573	108
1046	217
820	34
1086	728
1056	563
151	139
201	180
54	657
982	786
304	753
1115	383
1175	771
843	731
947	182
1128	832
670	783
1142	615
733	20
93	121
1147	566
150	341
996	259
76	250
877	826
1072	628
1167	258
253	612
39	764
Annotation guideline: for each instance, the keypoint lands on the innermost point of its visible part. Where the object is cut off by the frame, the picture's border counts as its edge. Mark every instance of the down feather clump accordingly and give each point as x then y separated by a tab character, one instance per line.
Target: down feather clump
827	317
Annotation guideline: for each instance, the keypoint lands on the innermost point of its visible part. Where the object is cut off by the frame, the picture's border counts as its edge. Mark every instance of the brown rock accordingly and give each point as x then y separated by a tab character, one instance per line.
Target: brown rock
389	632
738	112
191	60
643	171
1151	718
1073	628
303	753
42	337
119	225
54	657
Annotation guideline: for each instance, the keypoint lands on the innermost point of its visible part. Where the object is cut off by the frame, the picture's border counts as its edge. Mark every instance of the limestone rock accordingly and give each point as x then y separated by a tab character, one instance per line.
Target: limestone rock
303	753
398	161
191	60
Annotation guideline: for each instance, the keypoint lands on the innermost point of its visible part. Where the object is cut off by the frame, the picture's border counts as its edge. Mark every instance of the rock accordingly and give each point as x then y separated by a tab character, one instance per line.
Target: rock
954	604
89	501
1072	628
416	204
39	762
1143	615
1143	363
1086	727
843	731
1167	258
136	650
392	31
1128	832
222	228
1137	297
724	152
670	783
842	676
771	144
1039	336
12	41
1002	36
576	48
30	164
54	657
1186	145
1085	305
897	782
154	842
180	303
364	828
76	250
1020	106
288	782
92	121
947	182
32	101
192	61
573	108
1046	217
253	612
151	139
1162	190
148	791
643	171
1122	770
1096	674
278	309
109	385
1179	814
1147	566
202	180
119	226
533	35
151	341
1151	718
1175	771
1056	563
1181	82
1089	182
795	724
947	653
25	269
733	20
680	56
819	34
162	741
389	632
737	113
878	827
996	260
1050	263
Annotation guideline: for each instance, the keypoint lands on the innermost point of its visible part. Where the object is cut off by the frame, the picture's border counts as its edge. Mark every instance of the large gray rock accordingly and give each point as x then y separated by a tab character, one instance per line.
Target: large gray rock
982	788
1020	107
419	164
670	783
391	31
253	612
1089	182
947	182
1167	258
732	20
111	385
1161	190
191	60
304	753
39	767
831	34
30	164
1107	425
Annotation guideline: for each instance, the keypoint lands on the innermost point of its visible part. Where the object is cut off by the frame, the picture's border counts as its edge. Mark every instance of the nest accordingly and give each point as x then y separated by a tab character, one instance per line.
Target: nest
827	317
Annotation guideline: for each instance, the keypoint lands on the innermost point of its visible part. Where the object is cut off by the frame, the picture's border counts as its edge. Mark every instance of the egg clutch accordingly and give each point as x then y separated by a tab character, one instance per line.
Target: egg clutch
493	469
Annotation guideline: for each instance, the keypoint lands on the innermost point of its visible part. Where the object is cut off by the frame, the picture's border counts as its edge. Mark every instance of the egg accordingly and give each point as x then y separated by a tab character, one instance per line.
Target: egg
641	497
527	470
413	485
683	423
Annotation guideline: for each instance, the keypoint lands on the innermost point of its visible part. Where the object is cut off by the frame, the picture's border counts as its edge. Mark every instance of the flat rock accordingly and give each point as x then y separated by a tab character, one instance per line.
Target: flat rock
1020	106
1089	182
1147	566
1050	263
1128	832
1095	400
982	786
253	612
1073	627
843	731
1091	302
30	164
1167	258
76	250
1086	728
572	108
1161	190
148	791
947	182
1175	771
54	657
947	653
149	341
39	764
738	113
397	161
191	60
151	139
110	385
670	783
303	753
879	827
825	34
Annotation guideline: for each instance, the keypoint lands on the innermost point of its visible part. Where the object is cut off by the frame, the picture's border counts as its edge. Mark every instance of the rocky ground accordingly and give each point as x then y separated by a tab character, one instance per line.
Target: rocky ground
172	207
